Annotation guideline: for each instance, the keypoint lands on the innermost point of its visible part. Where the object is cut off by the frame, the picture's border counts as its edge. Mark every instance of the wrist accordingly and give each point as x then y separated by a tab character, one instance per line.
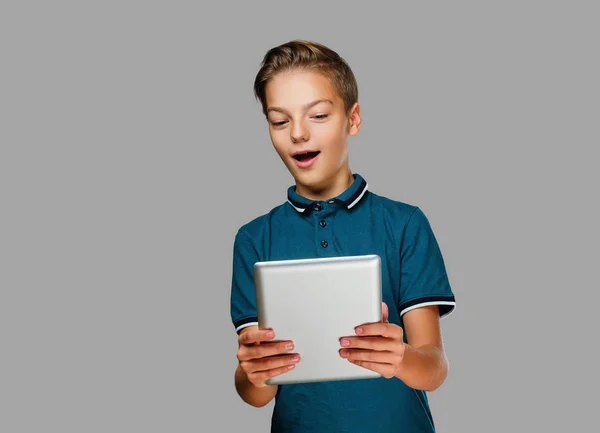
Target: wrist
424	367
257	396
402	366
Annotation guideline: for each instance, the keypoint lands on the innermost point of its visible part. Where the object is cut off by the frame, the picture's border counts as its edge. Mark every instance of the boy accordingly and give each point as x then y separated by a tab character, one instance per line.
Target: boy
309	97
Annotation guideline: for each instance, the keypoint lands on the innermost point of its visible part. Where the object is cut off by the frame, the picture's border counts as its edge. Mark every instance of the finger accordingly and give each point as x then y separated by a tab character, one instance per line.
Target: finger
264	350
384	312
373	343
389	330
272	362
256	336
383	357
259	378
386	370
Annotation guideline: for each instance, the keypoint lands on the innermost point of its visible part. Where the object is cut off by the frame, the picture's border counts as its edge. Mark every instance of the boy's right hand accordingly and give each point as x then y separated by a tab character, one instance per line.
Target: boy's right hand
261	358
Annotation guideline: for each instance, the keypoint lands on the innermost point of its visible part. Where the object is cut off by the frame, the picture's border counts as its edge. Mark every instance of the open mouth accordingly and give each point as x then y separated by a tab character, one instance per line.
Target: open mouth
306	156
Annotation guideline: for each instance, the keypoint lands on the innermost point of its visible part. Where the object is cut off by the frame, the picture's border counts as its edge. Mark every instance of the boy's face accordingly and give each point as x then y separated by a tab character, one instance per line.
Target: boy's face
298	125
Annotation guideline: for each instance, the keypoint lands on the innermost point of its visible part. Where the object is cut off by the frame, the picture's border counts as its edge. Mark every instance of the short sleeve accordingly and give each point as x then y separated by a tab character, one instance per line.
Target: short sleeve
423	277
243	293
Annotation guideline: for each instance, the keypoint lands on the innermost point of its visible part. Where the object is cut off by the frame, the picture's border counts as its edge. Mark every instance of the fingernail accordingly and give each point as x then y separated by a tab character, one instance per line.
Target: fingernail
359	330
345	342
270	334
344	353
291	366
289	346
295	358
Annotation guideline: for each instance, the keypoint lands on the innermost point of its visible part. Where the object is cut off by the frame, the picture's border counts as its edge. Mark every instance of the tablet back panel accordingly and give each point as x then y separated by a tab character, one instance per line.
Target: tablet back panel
315	302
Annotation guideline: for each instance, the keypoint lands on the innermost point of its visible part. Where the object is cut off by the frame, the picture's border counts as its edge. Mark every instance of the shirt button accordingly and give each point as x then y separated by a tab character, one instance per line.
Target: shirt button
317	207
331	201
322	223
324	244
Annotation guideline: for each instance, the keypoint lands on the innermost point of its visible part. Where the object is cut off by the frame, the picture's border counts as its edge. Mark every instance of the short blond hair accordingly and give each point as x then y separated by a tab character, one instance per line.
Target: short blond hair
307	55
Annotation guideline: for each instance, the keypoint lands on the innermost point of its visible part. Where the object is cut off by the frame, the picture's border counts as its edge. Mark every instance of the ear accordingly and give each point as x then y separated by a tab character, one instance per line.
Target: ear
355	119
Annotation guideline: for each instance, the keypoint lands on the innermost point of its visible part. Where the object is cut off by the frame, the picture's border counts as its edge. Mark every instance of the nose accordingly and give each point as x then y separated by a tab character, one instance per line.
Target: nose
299	132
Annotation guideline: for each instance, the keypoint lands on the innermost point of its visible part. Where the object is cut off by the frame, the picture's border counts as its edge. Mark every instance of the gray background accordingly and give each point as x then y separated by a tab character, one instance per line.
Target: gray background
133	149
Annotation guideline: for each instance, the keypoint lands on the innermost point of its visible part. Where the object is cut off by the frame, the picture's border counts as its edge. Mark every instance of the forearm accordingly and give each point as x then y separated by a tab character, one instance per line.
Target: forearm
254	396
424	367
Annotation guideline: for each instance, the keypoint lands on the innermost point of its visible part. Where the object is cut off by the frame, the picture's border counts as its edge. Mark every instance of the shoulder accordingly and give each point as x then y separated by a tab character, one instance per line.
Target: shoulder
398	212
257	226
402	219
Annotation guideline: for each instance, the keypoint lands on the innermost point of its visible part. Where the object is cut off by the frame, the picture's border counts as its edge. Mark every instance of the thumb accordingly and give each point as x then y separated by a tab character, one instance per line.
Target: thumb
384	310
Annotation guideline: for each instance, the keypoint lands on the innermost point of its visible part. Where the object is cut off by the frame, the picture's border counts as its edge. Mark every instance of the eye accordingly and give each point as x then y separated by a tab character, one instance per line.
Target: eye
278	123
321	116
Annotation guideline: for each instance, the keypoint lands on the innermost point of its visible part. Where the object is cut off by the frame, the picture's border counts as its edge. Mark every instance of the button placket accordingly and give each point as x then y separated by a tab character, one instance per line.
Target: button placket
322	230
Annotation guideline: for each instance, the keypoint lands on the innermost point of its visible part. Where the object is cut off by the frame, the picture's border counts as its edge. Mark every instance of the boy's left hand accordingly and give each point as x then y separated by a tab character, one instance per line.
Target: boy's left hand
378	346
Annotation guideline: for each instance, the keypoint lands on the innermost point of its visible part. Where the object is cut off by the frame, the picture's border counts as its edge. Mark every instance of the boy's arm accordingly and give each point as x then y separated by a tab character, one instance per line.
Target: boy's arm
424	363
259	358
257	397
253	395
425	297
420	363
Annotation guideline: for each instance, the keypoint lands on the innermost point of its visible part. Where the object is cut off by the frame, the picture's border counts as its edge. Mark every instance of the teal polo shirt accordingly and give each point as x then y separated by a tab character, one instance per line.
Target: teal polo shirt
413	273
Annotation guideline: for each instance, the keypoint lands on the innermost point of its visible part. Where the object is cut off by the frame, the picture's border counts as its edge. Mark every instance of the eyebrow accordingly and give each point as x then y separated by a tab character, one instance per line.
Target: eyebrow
305	107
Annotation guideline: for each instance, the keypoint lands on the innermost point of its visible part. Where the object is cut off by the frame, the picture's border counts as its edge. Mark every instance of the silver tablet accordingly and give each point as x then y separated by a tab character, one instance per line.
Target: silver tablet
315	302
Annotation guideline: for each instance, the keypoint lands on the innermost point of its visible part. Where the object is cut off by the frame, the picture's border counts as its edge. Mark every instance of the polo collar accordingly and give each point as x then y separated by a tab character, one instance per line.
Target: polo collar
349	198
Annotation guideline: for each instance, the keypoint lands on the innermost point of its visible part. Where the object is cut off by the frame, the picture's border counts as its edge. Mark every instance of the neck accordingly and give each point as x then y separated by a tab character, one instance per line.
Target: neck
330	188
